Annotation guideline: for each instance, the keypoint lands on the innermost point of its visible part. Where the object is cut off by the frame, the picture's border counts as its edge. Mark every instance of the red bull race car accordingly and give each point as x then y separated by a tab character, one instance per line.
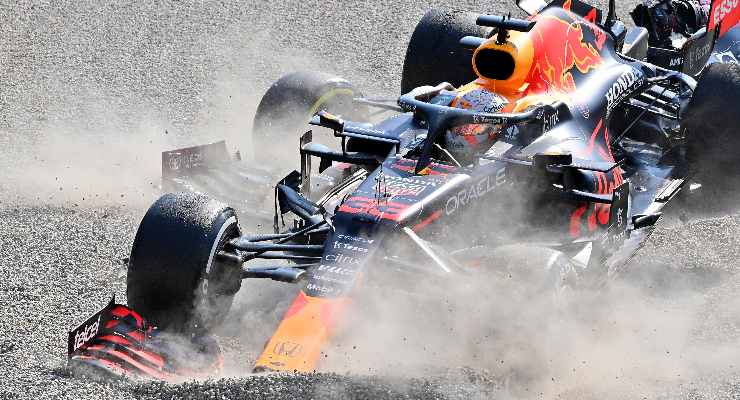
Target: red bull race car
545	131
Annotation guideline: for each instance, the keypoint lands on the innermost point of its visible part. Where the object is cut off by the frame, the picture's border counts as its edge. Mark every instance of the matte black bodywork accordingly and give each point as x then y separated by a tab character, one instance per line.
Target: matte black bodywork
619	129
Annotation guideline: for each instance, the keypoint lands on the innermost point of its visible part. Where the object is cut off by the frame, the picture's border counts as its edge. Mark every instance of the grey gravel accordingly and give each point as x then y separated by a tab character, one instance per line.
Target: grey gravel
90	92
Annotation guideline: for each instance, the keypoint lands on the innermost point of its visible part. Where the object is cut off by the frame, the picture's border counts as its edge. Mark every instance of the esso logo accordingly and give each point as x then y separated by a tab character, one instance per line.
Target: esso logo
723	8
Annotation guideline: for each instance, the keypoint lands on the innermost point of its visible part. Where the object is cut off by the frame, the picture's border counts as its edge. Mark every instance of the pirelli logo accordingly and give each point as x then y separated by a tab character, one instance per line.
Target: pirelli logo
287	349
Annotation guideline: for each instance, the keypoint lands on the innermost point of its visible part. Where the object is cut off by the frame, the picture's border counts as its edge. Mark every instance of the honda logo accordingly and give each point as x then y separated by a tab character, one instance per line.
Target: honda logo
287	349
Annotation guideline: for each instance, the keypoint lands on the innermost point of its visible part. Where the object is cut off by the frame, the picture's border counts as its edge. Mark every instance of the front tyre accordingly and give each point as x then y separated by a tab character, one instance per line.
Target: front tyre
175	279
288	105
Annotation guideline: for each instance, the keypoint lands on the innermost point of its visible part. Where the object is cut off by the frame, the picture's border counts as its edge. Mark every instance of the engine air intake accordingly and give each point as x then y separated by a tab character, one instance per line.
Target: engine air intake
494	64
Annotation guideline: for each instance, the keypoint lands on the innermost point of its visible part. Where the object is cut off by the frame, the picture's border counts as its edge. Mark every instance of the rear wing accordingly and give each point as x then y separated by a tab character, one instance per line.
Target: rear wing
691	58
725	14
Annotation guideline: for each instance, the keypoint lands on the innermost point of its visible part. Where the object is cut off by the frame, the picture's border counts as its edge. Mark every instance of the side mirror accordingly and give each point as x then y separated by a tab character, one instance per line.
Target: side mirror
636	43
620	32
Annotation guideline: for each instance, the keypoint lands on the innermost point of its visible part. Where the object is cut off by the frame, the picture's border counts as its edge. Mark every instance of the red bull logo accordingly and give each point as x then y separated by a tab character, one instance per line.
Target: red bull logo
559	49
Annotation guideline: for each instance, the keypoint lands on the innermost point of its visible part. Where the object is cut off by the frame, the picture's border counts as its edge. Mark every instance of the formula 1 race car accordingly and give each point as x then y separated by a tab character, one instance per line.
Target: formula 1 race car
559	142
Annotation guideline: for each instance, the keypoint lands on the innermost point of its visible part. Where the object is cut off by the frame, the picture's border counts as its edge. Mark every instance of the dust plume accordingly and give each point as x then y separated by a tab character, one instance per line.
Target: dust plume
634	336
95	138
98	142
76	169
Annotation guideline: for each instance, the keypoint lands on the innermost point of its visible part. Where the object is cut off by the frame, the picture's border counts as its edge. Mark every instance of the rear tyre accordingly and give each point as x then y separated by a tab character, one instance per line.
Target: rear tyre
712	124
175	279
288	105
434	53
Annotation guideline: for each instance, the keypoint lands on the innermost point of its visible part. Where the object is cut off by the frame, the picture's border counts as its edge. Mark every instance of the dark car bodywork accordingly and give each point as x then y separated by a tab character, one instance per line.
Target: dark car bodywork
588	170
566	165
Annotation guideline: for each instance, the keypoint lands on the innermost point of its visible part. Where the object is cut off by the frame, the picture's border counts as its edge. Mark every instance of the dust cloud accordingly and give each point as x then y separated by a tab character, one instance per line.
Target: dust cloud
97	140
620	340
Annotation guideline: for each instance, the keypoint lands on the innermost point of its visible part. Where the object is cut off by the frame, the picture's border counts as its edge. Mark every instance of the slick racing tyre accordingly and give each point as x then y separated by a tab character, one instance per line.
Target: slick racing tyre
712	124
287	106
434	53
175	280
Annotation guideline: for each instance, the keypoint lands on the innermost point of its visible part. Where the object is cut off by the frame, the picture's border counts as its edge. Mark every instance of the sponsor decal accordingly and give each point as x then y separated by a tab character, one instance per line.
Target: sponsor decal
374	207
560	49
619	208
726	11
400	186
700	53
484	119
330	279
475	191
408	165
349	246
336	270
287	349
723	8
319	289
187	160
85	334
621	88
357	239
412	180
549	121
675	62
342	259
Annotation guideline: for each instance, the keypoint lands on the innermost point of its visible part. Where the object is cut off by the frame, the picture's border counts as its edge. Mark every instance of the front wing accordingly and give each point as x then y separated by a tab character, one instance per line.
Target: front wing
118	341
